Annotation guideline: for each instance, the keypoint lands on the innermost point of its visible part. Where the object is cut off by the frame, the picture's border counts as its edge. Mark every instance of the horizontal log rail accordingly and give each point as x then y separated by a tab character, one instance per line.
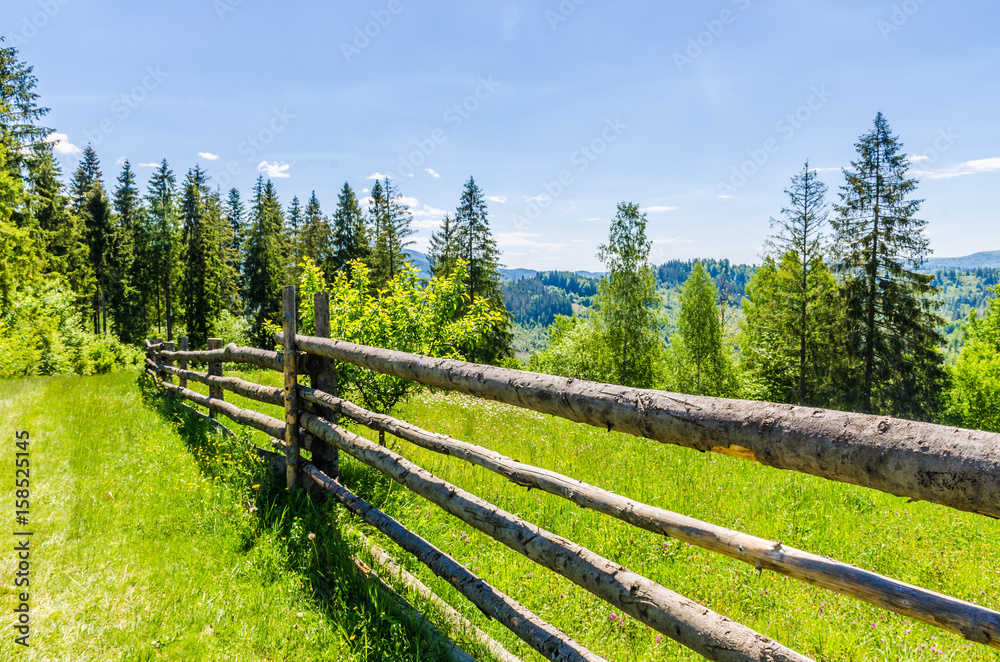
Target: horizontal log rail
231	353
543	637
699	628
972	621
248	417
949	466
266	394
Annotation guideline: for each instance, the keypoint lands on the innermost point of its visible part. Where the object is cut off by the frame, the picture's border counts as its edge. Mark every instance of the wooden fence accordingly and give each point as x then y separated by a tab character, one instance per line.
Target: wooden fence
948	466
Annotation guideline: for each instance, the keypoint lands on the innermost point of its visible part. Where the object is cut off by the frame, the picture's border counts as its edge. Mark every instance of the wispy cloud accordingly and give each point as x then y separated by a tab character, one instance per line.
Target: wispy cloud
148	165
974	167
376	175
655	209
274	170
61	144
497	198
121	160
430	171
536	198
208	156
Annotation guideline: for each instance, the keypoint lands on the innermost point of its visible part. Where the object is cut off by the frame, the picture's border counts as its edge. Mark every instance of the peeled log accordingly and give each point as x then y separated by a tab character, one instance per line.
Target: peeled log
690	624
972	621
248	417
950	466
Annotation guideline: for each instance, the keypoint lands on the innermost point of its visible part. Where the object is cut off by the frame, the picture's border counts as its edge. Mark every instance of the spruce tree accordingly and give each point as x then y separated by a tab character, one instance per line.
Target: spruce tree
263	272
236	230
445	249
19	116
792	322
350	232
164	244
63	239
315	236
126	301
626	303
478	248
890	307
87	174
91	203
391	220
293	245
203	265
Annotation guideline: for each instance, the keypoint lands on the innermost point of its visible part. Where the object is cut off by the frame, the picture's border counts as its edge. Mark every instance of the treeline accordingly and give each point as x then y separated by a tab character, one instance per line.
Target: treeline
537	300
182	256
838	315
731	279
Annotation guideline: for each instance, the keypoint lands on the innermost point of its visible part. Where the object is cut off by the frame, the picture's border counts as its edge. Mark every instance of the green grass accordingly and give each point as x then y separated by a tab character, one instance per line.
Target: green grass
146	534
156	540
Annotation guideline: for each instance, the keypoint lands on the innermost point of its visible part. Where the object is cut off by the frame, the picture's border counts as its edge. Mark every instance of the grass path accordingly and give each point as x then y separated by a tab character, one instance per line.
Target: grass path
151	543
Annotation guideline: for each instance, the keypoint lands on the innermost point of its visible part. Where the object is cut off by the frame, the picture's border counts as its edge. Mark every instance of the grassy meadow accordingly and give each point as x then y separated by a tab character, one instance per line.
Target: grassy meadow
160	541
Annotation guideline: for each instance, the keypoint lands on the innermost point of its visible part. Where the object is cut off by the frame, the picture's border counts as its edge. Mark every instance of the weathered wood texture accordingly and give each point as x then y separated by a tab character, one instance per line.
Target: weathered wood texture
324	378
266	394
182	364
289	323
261	358
544	638
950	466
248	417
974	622
168	346
215	369
453	616
692	625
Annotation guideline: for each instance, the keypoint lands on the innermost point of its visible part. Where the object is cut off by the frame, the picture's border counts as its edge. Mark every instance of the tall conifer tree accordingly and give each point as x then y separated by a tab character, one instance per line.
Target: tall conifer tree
126	287
890	307
161	197
263	272
350	236
445	250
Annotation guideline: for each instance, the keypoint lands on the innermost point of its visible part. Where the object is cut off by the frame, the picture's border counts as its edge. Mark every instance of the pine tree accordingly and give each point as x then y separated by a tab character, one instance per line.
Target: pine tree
264	262
890	308
791	325
444	250
126	301
626	302
164	242
478	248
350	232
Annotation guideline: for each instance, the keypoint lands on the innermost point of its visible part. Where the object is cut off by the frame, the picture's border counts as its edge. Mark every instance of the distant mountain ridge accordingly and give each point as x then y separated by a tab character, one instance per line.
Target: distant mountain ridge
423	264
984	260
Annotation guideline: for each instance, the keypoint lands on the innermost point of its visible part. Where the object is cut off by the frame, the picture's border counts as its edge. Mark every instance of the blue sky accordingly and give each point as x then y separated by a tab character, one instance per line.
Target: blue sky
559	110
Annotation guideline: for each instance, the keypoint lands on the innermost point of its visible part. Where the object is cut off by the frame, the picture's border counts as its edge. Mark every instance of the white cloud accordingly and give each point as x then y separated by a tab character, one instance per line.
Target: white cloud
61	144
589	220
121	160
424	216
148	165
376	175
974	167
536	198
497	198
274	170
366	190
430	171
919	158
658	208
724	197
209	156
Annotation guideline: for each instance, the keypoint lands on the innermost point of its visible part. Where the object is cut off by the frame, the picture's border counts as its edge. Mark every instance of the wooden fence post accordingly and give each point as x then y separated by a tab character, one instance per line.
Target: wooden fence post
289	324
169	347
325	379
215	392
183	363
